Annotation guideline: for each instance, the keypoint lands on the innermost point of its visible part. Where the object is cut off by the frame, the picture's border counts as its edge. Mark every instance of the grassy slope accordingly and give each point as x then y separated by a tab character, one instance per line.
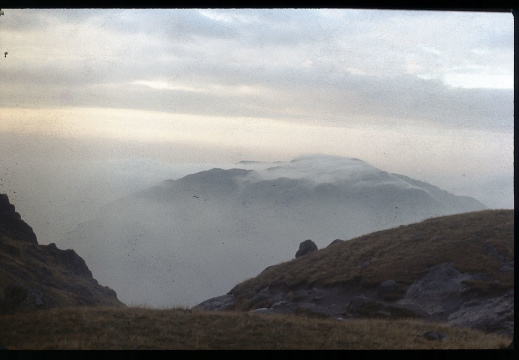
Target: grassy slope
139	328
401	254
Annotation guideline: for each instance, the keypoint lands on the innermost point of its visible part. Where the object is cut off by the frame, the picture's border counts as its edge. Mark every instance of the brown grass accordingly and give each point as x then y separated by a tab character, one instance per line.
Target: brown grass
140	328
402	254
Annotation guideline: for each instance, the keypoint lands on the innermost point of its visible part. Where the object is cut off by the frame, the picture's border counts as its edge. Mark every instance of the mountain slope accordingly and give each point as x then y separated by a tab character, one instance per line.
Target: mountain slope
185	240
457	269
35	277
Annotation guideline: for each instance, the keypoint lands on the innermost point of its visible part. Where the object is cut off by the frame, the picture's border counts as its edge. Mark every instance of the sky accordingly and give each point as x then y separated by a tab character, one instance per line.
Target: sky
98	103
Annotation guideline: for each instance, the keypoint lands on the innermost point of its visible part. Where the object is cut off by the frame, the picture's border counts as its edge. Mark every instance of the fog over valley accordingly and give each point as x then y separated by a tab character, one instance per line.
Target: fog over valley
185	240
182	151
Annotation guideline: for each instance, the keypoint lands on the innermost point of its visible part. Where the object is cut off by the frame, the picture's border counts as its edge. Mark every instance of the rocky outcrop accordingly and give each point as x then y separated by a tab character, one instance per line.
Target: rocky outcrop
69	259
306	247
218	303
435	335
491	314
438	295
336	241
12	223
36	277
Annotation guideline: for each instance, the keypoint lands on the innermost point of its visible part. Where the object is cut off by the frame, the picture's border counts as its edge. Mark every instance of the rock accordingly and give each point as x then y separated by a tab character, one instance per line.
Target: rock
364	265
218	303
36	277
278	304
437	292
306	247
336	241
387	286
508	267
267	268
357	302
382	314
435	335
490	250
261	311
318	299
70	260
12	222
490	315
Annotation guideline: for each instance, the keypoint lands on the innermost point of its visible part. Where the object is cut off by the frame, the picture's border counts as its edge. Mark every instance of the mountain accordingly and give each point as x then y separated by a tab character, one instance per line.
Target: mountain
34	277
185	240
457	269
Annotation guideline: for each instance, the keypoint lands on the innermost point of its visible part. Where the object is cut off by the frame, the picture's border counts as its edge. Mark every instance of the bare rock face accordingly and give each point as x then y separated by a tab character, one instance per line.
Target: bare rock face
336	241
70	260
437	295
437	292
306	247
218	303
435	336
37	276
11	222
493	314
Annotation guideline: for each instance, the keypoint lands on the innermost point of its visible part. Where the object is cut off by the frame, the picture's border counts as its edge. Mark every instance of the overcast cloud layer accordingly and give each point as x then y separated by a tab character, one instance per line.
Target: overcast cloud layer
311	65
117	99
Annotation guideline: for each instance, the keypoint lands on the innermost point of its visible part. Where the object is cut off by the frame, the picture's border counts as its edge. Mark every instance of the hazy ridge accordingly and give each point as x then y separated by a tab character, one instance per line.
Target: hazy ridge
185	240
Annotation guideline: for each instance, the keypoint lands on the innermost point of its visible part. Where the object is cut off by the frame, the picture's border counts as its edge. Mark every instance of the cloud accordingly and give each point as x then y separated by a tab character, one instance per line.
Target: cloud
328	66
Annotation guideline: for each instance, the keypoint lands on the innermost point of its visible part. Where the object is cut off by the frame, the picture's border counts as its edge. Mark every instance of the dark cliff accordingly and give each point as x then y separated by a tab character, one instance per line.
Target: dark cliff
34	276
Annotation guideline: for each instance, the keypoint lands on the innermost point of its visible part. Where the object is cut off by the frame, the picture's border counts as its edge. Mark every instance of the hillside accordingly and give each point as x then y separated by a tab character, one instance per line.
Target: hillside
36	277
457	269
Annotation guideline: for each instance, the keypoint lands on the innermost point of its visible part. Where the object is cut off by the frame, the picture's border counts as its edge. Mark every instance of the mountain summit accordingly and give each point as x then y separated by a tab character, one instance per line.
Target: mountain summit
185	240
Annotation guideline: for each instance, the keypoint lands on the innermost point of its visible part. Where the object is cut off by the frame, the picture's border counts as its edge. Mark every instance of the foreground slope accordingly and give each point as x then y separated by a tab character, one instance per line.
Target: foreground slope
188	239
457	269
137	329
35	277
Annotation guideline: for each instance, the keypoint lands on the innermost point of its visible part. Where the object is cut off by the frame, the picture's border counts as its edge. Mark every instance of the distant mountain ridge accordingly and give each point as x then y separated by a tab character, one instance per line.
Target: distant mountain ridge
187	239
35	277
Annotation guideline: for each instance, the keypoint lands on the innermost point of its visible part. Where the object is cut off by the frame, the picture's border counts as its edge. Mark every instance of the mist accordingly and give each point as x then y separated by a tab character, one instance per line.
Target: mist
183	241
94	141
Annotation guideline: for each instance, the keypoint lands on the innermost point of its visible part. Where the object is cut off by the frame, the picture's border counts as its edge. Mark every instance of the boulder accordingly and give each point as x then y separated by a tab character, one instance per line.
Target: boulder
507	268
218	303
336	241
435	335
357	302
490	250
306	247
364	265
267	268
494	314
382	314
387	286
262	310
